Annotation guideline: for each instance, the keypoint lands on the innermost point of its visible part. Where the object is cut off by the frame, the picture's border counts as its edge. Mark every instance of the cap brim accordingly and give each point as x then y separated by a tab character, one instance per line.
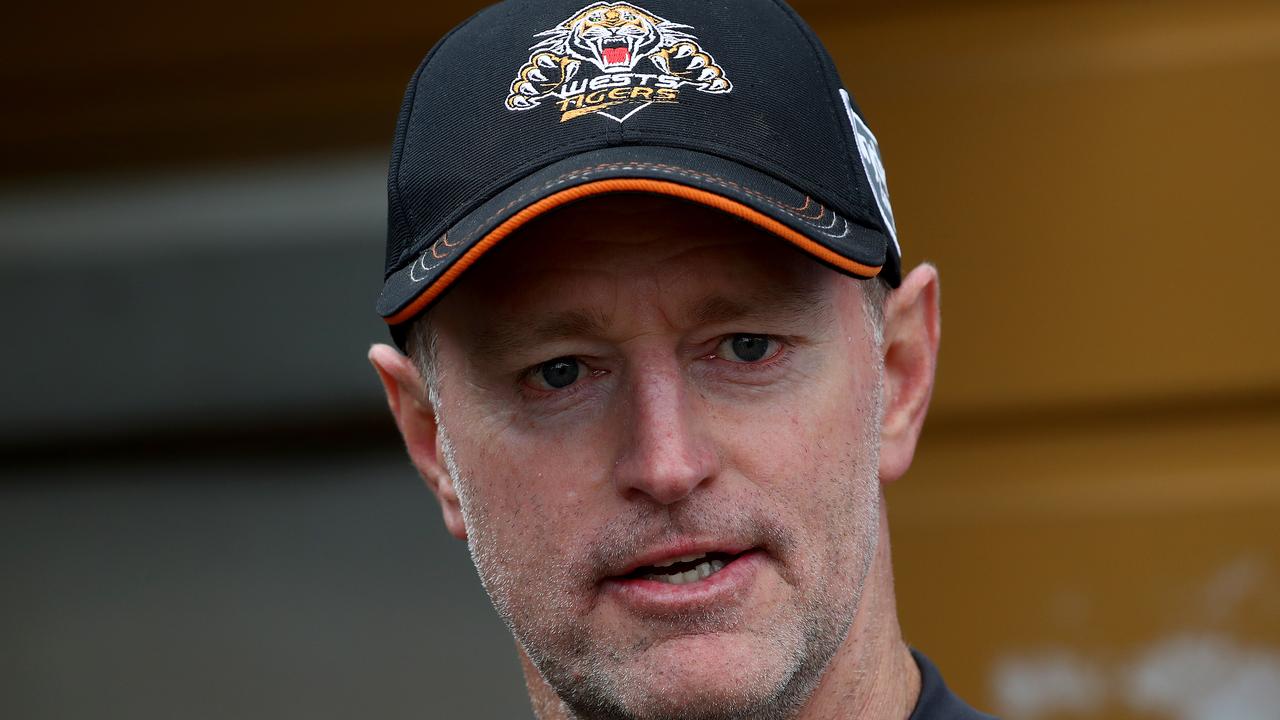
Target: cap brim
741	191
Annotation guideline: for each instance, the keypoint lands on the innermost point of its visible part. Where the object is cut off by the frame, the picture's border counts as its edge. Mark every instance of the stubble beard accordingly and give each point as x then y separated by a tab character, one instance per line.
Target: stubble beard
601	683
596	683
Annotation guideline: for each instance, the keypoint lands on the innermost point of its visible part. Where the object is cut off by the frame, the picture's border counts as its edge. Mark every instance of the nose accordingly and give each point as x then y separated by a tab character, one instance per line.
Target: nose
666	452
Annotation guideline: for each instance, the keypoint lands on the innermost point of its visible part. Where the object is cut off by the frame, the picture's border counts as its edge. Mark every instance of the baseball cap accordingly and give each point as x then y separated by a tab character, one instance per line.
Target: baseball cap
533	104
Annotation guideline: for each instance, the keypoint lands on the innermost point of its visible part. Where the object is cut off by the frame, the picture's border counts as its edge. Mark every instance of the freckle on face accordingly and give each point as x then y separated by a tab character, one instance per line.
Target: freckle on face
793	472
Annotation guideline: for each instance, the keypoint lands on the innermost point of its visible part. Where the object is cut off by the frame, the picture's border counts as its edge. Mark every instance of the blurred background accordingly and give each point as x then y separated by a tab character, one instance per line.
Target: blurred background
205	512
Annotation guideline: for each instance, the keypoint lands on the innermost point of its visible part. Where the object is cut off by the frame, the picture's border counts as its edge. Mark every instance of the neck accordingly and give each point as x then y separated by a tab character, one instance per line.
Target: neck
871	675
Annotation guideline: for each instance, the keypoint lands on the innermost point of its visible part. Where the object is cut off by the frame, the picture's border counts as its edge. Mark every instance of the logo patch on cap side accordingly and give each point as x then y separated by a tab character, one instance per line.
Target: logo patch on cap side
613	59
869	152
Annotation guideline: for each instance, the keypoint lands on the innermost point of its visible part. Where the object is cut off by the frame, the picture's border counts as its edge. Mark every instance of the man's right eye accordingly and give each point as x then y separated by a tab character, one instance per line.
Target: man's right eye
556	374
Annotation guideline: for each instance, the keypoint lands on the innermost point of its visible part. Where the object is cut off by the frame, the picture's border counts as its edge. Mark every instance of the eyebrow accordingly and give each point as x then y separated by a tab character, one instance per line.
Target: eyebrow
792	305
503	336
789	306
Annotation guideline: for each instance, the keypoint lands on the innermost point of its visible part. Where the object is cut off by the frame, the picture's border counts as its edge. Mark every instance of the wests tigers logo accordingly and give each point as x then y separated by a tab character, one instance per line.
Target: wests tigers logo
613	60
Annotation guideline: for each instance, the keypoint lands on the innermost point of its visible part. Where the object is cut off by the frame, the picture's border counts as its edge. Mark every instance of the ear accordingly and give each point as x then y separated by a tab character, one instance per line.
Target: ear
911	331
417	422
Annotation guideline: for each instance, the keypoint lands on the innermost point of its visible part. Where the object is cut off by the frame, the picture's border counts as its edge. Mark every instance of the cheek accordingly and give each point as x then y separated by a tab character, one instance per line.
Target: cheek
526	493
812	428
810	463
520	516
814	457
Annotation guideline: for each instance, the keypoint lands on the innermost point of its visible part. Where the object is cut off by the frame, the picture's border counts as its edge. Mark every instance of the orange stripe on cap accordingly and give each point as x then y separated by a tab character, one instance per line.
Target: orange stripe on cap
600	187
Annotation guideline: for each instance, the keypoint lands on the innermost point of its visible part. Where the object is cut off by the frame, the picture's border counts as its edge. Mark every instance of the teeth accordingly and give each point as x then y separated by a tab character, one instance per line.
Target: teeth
701	572
673	561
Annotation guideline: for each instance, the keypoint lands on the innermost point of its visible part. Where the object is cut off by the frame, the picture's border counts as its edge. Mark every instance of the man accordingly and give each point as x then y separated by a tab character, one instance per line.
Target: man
668	380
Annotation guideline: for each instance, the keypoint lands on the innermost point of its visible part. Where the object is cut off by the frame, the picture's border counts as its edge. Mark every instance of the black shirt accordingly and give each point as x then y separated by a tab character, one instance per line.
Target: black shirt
937	702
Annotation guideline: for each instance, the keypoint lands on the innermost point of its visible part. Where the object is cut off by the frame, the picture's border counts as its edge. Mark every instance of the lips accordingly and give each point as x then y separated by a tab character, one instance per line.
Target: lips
679	555
685	569
681	564
675	585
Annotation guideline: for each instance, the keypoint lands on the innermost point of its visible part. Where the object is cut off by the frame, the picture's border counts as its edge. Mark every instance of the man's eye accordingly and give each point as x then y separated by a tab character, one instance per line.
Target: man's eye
556	374
747	348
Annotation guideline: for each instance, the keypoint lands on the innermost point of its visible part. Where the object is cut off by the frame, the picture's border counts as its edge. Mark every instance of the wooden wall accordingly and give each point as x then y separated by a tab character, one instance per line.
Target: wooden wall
1098	488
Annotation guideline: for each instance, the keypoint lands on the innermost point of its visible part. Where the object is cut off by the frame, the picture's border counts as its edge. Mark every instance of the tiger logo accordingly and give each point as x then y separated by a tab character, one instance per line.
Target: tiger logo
613	59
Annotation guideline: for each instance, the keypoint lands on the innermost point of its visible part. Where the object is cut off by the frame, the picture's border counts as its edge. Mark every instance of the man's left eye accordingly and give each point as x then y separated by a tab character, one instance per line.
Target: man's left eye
747	348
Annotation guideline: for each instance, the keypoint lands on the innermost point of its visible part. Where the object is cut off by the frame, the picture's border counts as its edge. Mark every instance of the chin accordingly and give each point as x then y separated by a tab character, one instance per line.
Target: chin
699	677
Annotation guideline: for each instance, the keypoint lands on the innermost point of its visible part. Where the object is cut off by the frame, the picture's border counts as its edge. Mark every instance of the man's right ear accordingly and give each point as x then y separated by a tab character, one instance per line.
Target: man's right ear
417	422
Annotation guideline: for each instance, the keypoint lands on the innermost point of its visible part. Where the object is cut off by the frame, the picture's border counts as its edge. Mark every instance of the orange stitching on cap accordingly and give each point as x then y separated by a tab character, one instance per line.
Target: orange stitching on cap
822	209
777	203
598	187
791	209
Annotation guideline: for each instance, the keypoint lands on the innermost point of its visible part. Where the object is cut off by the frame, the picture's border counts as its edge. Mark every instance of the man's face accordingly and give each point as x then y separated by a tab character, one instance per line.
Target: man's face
634	382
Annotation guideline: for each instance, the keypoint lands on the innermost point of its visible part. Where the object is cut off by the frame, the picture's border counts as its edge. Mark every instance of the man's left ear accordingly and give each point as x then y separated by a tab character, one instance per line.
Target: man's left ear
911	330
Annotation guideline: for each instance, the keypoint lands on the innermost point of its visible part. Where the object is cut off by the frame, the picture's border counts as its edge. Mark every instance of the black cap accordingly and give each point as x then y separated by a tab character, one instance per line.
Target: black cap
532	104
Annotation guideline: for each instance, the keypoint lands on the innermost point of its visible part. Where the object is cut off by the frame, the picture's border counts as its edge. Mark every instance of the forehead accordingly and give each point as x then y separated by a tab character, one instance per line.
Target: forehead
641	246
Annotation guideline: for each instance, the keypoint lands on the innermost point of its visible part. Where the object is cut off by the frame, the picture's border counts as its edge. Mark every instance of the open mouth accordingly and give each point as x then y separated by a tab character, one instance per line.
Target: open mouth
615	51
684	570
